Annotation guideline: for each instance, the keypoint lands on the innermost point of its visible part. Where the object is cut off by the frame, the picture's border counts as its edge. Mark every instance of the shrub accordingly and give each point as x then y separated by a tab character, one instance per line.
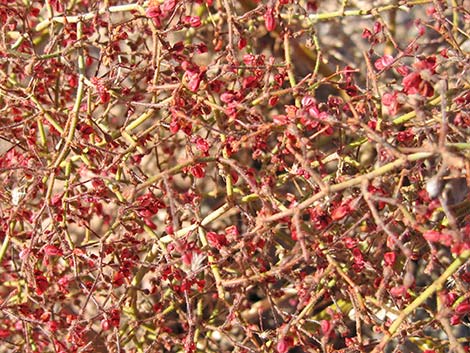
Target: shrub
247	176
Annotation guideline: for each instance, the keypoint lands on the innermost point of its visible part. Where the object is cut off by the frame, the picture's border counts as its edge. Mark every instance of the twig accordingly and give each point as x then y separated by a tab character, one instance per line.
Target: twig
349	183
426	294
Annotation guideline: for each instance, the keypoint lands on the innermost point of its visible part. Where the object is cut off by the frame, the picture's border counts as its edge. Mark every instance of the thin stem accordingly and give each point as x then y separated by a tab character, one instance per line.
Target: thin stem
73	120
89	16
213	264
289	64
421	299
349	183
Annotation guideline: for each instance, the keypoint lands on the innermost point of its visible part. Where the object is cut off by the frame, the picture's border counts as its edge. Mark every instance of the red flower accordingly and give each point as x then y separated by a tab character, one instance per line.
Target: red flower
284	344
411	83
194	80
326	327
450	298
227	97
437	237
105	325
402	70
319	218
390	100
463	308
242	43
340	212
269	20
4	333
104	96
52	250
193	21
202	144
455	320
197	170
118	279
168	6
216	240
349	242
405	136
41	284
399	291
390	258
432	236
414	83
153	12
366	33
383	62
426	64
232	231
377	27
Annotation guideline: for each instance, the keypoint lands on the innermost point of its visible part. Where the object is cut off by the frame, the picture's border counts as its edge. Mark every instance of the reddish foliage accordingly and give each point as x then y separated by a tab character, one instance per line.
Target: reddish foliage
231	176
269	19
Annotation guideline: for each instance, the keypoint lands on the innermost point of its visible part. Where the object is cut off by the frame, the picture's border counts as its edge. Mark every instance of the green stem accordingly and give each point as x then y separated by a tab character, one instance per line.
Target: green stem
207	220
290	65
349	183
144	117
47	116
212	264
425	295
408	116
3	249
435	286
371	12
176	169
89	16
78	101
